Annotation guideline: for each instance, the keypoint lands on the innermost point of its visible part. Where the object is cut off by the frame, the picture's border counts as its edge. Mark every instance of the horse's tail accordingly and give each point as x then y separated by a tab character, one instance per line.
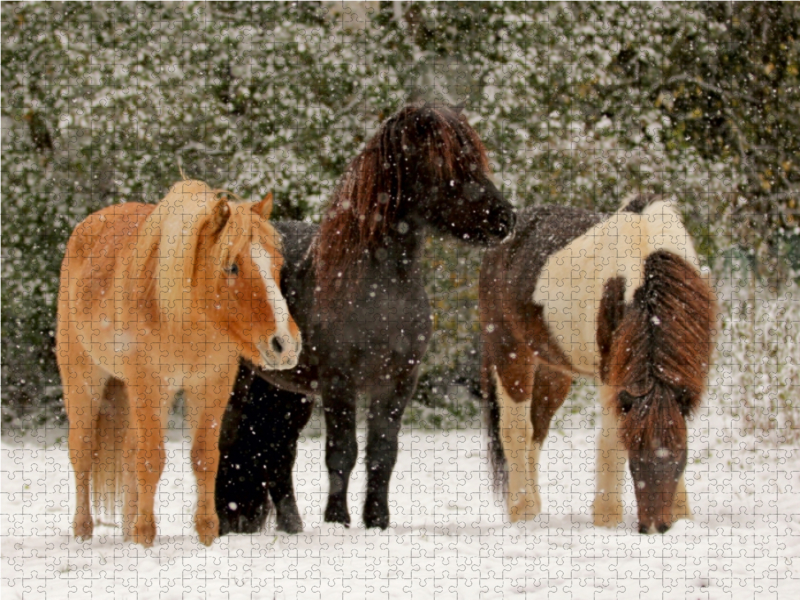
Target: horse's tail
108	447
661	352
497	458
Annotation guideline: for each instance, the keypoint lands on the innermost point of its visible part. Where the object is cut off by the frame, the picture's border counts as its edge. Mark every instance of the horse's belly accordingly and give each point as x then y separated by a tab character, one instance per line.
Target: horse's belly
126	353
107	347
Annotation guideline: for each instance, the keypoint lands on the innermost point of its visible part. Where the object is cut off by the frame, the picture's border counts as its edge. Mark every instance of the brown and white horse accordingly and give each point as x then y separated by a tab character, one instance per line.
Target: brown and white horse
618	298
153	300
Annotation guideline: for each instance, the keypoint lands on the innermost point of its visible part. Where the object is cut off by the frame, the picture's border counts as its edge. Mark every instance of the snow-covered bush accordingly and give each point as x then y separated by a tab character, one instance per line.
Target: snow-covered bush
577	103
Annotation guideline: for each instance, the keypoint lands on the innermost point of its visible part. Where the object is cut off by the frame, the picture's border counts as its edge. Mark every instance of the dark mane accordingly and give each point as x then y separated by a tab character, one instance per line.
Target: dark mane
649	361
420	144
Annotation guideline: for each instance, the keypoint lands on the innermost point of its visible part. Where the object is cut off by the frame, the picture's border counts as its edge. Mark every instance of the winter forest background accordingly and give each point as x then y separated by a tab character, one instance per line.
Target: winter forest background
578	104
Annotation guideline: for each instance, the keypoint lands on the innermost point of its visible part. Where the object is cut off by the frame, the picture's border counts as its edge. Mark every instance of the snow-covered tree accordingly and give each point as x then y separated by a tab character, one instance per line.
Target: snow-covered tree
578	104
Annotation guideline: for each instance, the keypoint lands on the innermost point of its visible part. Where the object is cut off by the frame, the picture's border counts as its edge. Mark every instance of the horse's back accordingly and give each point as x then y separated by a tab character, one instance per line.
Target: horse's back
564	262
513	268
106	231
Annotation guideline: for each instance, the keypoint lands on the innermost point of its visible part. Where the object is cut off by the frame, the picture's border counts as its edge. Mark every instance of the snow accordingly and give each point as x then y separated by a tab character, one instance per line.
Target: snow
449	536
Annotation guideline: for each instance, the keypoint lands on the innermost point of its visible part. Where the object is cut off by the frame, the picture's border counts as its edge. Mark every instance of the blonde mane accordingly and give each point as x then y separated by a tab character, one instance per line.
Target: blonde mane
168	248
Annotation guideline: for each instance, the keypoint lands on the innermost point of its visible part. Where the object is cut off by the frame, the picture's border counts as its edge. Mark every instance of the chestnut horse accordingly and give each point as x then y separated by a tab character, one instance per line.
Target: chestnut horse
618	298
153	300
355	286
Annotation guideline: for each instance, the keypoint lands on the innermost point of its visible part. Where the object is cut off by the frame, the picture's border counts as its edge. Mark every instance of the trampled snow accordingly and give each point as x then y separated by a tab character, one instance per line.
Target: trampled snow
449	536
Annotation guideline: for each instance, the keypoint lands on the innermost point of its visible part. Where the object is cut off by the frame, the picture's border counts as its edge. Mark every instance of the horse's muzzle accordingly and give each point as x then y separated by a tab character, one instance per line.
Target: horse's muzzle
280	352
506	222
646	529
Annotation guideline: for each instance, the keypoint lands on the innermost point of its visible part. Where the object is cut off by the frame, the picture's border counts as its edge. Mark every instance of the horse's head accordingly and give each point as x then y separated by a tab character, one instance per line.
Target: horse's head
436	170
425	168
240	254
655	434
658	362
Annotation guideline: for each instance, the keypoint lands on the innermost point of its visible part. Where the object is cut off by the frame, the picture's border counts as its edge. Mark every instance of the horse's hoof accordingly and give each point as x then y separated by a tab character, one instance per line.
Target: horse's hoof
607	513
381	522
288	517
244	524
376	515
525	510
144	531
207	527
245	518
681	510
83	527
241	524
337	514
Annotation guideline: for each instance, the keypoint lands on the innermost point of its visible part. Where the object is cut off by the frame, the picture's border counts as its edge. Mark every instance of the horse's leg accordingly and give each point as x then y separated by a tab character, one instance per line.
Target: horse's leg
513	384
611	457
550	389
83	387
241	492
289	415
258	447
206	408
149	397
680	507
130	489
341	447
383	421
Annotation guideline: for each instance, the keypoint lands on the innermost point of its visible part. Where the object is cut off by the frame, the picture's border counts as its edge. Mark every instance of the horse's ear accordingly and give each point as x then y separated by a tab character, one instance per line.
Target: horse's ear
264	208
219	216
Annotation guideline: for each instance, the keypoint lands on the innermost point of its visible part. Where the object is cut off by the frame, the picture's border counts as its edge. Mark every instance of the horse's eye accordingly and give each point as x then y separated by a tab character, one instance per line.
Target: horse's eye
625	402
232	269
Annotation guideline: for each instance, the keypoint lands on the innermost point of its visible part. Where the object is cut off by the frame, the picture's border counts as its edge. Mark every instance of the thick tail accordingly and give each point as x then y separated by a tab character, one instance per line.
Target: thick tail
497	458
108	447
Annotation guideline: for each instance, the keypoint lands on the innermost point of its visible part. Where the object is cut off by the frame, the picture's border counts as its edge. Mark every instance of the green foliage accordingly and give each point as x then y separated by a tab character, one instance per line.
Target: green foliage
577	103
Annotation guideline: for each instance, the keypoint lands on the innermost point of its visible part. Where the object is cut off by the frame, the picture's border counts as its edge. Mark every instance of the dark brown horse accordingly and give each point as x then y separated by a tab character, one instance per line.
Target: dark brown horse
355	287
619	298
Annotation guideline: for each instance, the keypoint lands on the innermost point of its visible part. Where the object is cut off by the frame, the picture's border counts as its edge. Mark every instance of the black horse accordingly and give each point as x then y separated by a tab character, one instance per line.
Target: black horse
355	287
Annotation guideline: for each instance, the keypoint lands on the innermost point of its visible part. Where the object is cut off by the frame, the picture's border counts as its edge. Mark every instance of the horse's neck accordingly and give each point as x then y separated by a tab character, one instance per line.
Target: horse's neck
397	255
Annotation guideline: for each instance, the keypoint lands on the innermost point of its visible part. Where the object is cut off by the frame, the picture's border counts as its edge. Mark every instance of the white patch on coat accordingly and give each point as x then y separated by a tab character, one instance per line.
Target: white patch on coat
280	309
571	284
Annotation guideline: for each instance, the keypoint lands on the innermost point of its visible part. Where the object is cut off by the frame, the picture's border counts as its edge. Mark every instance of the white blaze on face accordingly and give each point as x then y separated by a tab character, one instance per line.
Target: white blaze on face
571	284
280	310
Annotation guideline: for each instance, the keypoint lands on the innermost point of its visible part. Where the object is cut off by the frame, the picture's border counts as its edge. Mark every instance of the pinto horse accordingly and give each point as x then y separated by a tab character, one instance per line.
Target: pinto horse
617	298
355	287
153	300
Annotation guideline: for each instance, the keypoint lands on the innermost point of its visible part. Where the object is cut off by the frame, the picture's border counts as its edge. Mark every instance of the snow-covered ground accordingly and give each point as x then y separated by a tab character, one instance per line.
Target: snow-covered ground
449	538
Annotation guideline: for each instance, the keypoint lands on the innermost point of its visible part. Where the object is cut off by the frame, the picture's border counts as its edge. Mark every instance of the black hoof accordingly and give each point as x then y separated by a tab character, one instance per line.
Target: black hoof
243	524
239	521
288	517
376	514
336	513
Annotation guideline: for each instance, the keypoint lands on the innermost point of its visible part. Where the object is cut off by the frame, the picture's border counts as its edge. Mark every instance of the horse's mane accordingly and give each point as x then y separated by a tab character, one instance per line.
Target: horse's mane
366	198
170	240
